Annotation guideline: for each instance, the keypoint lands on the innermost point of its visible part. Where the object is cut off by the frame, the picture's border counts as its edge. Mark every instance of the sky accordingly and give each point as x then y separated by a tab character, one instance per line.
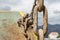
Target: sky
53	7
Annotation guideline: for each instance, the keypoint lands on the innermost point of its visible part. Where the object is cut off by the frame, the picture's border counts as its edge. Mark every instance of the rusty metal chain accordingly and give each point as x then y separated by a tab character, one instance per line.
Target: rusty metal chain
38	8
27	22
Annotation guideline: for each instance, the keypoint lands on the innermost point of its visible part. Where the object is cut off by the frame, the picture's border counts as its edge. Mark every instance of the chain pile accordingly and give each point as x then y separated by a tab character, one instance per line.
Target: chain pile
26	23
29	22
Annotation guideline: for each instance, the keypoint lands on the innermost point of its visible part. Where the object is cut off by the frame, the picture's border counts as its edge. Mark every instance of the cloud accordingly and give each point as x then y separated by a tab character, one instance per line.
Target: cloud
52	1
14	2
18	5
54	17
22	5
25	6
5	8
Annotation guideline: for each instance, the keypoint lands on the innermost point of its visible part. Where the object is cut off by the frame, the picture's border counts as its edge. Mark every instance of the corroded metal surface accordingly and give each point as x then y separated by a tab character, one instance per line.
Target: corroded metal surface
39	8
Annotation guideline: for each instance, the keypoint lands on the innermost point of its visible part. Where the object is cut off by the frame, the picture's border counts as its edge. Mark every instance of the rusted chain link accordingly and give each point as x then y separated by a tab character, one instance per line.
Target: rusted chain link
31	32
38	8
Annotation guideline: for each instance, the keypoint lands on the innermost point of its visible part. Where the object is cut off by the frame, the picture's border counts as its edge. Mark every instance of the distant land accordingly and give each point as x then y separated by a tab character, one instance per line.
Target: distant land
52	28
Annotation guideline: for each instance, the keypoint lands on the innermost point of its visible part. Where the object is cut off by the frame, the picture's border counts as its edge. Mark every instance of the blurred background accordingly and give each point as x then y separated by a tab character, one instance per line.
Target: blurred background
13	8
